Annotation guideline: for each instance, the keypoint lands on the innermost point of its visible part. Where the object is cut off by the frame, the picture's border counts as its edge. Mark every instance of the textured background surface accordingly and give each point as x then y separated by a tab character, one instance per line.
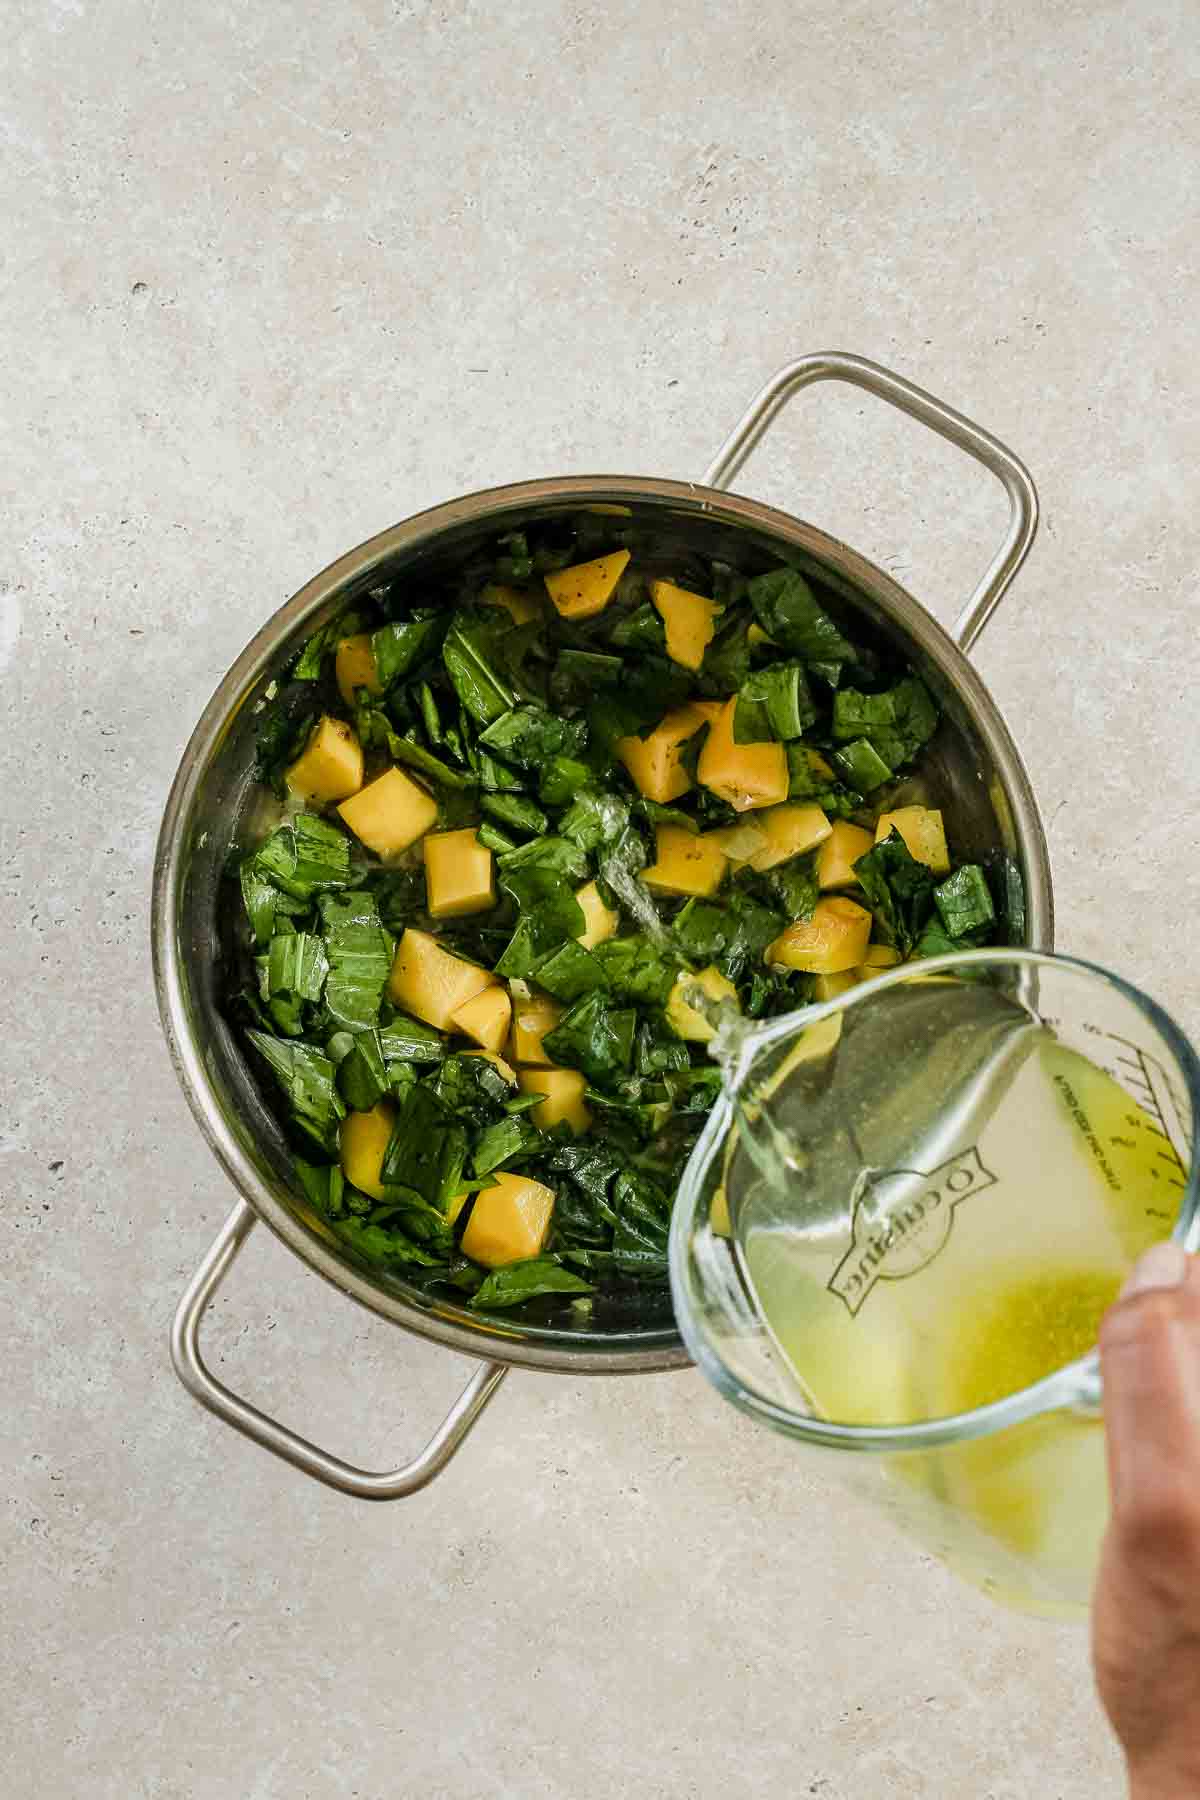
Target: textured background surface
274	276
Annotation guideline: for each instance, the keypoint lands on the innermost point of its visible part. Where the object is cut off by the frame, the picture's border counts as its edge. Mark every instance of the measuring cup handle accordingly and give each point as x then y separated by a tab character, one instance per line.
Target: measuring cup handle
1009	470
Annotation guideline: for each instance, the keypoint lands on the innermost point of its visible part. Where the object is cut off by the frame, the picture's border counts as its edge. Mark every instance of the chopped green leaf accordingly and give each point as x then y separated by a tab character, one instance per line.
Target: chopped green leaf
306	1079
964	901
899	891
427	1149
520	1281
408	1040
862	765
504	1141
516	810
530	735
773	703
362	1076
398	647
384	1246
896	722
788	612
640	629
595	1037
469	655
305	858
569	972
561	780
636	968
360	958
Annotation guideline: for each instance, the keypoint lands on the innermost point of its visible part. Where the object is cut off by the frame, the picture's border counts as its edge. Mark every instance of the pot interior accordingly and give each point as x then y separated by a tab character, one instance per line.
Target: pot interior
217	811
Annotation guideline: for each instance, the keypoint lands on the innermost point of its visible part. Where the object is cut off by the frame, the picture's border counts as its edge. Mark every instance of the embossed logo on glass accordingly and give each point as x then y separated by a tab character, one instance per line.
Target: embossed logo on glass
901	1220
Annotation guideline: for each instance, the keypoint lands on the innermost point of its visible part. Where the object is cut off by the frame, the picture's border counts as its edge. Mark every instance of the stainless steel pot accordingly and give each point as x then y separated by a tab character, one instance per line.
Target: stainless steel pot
974	770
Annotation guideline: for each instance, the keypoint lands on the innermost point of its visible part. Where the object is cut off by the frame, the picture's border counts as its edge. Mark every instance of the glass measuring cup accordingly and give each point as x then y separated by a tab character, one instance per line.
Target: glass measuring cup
904	1219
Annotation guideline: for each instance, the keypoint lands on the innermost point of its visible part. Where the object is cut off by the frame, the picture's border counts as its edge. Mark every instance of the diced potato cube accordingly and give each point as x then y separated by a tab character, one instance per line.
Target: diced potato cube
509	1221
828	987
586	588
498	1063
655	761
563	1090
354	667
743	841
486	1018
519	605
363	1138
923	832
390	813
818	766
686	862
839	853
601	921
880	956
532	1019
458	874
684	1019
690	620
790	831
745	775
330	766
430	983
835	938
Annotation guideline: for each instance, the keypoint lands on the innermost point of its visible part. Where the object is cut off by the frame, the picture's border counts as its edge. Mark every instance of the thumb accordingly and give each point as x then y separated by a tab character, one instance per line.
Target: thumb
1150	1362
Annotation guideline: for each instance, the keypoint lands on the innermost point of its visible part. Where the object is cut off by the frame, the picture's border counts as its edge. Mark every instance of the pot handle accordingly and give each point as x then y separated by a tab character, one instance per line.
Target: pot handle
202	1384
835	365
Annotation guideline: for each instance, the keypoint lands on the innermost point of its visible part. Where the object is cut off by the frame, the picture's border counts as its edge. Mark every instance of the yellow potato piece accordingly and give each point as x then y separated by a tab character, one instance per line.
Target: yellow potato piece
509	1221
363	1138
743	841
834	939
486	1018
586	588
690	620
923	832
601	921
880	956
354	667
839	853
817	765
331	765
685	863
532	1019
790	831
563	1090
430	983
498	1063
390	813
684	1019
458	874
828	987
655	761
745	775
517	603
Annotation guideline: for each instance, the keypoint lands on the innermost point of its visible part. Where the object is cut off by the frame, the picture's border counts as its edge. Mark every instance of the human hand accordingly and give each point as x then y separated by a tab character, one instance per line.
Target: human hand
1146	1616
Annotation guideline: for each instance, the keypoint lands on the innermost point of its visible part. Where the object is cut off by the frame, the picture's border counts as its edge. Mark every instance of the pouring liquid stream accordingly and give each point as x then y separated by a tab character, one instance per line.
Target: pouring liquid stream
932	1201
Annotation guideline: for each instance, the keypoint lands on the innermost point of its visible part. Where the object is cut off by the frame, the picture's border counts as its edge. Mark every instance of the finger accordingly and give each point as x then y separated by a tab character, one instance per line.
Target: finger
1150	1361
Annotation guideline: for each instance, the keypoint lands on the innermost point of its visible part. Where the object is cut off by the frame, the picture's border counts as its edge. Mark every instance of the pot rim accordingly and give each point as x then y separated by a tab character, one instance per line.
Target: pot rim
528	1347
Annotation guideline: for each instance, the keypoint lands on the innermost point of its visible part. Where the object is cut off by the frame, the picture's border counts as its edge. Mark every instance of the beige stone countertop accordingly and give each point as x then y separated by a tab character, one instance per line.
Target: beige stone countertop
274	276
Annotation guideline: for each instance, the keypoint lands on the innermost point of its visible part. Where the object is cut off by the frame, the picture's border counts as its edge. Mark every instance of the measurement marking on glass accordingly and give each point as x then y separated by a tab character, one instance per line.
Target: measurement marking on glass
1147	1074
